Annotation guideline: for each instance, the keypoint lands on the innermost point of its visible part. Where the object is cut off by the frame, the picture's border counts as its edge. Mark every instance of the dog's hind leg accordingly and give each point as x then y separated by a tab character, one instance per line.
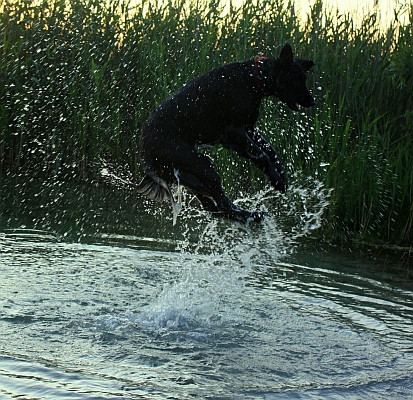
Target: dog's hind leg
226	209
205	183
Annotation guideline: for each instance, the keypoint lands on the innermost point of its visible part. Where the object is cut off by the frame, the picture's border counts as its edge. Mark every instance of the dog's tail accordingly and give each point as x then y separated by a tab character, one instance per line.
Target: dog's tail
157	189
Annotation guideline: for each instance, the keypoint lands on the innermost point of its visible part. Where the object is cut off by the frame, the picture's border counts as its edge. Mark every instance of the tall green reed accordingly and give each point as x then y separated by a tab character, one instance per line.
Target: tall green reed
78	78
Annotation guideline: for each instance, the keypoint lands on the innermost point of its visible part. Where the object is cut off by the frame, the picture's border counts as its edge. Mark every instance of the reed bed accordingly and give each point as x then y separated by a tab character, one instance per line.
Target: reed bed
78	78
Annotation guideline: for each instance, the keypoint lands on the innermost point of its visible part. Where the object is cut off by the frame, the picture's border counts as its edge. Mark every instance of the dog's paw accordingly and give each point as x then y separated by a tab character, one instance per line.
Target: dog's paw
256	216
239	215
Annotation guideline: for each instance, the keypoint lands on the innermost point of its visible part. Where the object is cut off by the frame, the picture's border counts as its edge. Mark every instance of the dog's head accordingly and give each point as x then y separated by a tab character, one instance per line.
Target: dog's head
286	79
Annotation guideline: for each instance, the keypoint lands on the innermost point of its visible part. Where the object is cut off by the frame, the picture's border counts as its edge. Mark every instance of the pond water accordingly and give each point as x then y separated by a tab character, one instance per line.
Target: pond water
102	298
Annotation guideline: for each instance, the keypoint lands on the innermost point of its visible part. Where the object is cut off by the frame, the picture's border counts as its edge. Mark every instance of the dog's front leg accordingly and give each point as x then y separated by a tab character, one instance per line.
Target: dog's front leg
261	154
266	148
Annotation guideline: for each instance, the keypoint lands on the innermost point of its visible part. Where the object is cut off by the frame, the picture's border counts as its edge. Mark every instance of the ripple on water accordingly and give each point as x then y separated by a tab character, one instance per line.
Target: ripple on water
241	312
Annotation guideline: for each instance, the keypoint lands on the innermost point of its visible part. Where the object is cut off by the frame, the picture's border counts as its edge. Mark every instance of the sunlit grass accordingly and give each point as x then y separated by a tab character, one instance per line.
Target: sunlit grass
77	80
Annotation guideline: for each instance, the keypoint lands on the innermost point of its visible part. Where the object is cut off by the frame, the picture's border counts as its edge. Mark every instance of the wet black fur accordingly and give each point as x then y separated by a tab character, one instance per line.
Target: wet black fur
220	107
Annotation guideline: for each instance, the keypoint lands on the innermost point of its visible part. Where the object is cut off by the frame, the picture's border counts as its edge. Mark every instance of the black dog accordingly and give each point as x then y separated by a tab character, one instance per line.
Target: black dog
222	107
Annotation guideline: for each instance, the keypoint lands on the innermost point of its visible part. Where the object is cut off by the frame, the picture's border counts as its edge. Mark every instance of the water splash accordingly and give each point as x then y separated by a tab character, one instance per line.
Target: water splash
116	176
218	257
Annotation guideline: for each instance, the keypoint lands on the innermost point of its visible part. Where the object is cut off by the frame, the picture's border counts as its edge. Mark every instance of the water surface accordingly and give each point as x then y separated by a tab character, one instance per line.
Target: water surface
101	298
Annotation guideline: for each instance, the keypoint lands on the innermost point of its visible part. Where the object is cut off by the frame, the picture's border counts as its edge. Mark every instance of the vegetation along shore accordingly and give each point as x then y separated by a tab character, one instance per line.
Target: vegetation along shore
79	77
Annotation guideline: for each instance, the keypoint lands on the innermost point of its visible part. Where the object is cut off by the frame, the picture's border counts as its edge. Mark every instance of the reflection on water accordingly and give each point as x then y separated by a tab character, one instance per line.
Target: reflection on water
103	298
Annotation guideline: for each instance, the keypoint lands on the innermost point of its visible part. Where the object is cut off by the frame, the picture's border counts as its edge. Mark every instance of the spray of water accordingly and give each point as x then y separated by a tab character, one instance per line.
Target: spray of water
219	257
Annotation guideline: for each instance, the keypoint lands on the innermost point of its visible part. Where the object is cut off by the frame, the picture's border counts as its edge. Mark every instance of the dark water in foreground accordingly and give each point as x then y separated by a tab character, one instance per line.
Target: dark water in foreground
101	298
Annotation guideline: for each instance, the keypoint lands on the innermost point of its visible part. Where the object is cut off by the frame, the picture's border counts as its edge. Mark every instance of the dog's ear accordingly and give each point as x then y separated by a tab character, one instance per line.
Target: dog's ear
286	55
306	64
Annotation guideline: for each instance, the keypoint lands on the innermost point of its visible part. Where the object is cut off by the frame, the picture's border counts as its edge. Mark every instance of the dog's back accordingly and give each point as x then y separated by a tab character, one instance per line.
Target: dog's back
199	112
